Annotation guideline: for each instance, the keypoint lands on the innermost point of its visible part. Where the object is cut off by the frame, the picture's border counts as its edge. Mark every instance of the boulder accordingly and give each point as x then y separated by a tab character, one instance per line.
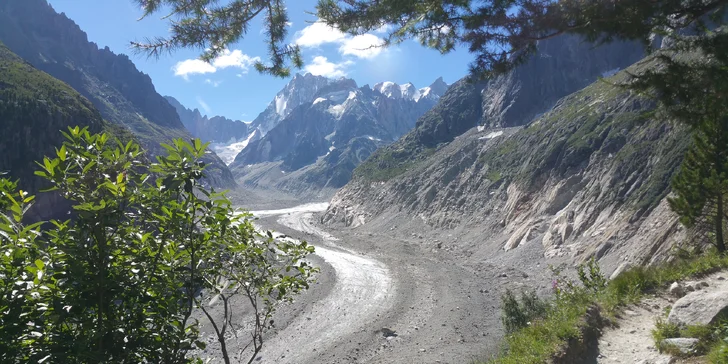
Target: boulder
677	290
663	359
386	332
699	308
523	235
686	345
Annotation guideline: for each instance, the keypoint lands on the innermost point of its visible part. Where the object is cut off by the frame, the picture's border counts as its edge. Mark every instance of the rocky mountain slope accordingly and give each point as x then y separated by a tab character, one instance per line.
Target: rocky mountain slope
216	129
301	89
586	178
34	106
318	143
55	44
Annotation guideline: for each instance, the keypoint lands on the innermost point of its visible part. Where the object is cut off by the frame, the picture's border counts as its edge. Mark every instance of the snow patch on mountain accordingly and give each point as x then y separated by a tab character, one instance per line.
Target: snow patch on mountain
281	103
228	151
337	110
408	91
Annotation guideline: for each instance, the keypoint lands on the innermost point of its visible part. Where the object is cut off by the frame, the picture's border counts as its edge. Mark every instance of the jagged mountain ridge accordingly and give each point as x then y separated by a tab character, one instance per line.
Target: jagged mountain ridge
216	129
301	89
587	178
319	142
125	96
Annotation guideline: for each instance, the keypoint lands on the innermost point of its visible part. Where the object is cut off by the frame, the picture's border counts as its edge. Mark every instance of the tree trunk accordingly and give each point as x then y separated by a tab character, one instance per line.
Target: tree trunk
719	243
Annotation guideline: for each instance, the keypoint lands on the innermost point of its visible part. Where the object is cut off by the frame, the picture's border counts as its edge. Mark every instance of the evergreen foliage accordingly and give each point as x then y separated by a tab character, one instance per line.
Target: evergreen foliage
701	185
501	34
210	25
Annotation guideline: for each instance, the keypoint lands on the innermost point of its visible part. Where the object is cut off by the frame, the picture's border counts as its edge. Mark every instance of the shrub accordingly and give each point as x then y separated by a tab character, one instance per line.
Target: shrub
719	354
519	314
147	245
664	330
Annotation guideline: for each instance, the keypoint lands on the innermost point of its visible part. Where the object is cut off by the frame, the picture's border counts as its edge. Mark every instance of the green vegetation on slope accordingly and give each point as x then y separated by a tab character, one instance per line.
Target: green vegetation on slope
34	107
566	320
602	123
123	95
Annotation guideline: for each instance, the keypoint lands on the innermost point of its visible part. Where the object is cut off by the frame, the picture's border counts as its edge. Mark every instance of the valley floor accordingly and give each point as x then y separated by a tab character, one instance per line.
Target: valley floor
381	299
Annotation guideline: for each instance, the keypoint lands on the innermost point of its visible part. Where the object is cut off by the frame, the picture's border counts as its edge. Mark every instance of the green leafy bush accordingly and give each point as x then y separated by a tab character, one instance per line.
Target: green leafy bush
519	314
146	247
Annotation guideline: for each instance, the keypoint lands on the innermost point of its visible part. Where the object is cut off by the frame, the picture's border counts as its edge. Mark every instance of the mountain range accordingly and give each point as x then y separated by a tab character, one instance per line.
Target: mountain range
317	130
123	95
216	129
548	154
551	153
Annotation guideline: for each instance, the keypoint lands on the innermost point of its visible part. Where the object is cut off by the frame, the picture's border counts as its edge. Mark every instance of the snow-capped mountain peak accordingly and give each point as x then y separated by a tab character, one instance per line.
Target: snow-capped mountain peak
389	89
410	92
301	89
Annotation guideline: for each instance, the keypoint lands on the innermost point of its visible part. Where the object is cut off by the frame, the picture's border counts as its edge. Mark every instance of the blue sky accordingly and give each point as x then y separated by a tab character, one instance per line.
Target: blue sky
230	86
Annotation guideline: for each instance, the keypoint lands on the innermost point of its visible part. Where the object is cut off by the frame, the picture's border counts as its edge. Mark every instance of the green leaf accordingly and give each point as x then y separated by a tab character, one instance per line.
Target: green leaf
62	153
88	167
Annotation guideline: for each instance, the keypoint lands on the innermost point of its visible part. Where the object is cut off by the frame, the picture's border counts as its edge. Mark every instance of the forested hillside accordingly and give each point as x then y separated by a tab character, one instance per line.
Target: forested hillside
34	109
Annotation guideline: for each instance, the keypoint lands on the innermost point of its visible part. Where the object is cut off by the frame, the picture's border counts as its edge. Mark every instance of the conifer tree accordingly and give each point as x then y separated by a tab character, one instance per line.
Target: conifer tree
701	185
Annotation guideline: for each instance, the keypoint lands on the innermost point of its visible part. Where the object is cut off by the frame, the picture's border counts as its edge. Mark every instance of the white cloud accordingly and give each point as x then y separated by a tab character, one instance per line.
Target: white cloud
236	59
204	105
317	34
363	46
321	66
191	67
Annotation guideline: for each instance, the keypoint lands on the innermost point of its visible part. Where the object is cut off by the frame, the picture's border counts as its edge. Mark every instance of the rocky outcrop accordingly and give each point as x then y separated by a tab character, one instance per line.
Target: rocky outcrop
216	129
587	178
684	345
301	89
703	307
125	96
318	144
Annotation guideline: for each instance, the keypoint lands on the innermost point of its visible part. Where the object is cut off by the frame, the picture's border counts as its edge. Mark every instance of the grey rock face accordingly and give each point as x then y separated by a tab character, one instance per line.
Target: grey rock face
574	172
318	143
217	129
300	90
621	268
676	289
683	344
562	66
699	308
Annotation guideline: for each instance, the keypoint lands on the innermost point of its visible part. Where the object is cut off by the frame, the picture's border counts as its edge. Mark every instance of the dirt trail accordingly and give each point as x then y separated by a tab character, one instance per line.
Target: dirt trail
630	341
